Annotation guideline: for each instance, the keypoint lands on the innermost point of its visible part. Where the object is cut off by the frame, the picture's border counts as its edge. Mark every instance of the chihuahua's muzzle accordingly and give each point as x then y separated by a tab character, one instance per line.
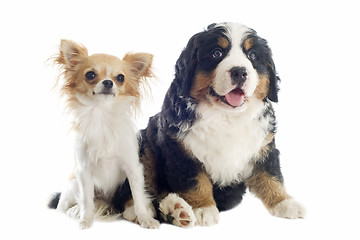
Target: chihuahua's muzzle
104	88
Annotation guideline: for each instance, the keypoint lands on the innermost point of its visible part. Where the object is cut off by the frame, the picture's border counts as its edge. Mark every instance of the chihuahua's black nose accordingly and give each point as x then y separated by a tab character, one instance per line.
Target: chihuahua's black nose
108	84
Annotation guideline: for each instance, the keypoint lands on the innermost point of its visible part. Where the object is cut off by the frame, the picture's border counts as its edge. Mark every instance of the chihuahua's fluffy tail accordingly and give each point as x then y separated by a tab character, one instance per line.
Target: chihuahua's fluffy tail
103	211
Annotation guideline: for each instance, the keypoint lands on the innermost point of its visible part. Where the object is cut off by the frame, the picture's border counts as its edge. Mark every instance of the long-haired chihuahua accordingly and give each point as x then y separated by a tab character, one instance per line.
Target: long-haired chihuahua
103	92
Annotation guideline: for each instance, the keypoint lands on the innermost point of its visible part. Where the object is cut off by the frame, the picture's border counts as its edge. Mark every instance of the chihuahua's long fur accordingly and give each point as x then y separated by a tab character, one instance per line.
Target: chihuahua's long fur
102	94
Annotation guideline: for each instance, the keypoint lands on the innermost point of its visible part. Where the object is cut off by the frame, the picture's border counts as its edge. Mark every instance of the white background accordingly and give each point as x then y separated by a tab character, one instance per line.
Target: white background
316	52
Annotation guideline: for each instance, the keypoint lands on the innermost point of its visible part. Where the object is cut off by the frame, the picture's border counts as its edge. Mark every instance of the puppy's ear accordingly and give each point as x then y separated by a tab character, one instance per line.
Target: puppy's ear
71	54
211	26
186	65
274	81
140	64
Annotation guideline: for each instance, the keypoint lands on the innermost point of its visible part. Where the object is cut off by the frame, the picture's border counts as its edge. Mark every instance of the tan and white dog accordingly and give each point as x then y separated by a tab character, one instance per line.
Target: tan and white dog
103	92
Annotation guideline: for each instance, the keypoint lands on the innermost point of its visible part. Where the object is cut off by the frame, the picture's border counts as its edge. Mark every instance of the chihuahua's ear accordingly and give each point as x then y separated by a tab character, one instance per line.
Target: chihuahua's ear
71	54
140	63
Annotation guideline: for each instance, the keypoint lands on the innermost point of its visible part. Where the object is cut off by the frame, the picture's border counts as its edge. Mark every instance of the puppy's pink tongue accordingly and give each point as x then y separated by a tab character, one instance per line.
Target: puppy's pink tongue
236	97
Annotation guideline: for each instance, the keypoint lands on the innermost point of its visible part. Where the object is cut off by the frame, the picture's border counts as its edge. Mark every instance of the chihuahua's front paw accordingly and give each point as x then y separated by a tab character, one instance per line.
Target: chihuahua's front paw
148	222
85	224
86	221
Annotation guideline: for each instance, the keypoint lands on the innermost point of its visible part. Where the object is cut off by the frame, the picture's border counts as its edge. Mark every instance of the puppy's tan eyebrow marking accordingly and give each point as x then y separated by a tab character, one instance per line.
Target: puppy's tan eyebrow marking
248	43
223	42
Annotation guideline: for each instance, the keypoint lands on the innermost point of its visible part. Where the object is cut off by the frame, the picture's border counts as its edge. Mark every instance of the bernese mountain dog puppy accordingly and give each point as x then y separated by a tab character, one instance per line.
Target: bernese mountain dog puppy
215	134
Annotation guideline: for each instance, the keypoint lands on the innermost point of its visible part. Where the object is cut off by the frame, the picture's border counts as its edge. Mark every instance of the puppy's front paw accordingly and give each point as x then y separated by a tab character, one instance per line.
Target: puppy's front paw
207	216
177	211
288	208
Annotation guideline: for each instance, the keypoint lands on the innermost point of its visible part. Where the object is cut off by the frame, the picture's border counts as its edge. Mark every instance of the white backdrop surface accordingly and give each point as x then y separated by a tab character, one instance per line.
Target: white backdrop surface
316	48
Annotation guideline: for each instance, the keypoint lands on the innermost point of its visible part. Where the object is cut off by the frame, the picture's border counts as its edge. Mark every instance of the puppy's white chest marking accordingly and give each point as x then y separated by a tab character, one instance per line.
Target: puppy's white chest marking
227	143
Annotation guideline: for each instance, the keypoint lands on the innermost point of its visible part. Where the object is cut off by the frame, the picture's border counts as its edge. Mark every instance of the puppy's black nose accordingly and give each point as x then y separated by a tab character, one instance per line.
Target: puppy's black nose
238	75
108	84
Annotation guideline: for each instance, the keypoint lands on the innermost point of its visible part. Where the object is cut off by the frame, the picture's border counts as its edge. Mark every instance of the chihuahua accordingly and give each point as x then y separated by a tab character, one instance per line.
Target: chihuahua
103	93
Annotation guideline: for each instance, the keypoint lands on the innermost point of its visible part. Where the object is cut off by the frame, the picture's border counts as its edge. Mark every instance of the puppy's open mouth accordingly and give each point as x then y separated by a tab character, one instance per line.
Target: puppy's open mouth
234	98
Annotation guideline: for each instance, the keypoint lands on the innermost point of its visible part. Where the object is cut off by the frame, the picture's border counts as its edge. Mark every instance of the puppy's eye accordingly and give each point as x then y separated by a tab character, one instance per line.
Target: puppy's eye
90	75
252	56
217	53
120	78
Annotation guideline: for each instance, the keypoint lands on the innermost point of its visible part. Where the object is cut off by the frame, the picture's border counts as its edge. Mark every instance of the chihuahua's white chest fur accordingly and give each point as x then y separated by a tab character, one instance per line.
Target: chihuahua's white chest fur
106	127
106	141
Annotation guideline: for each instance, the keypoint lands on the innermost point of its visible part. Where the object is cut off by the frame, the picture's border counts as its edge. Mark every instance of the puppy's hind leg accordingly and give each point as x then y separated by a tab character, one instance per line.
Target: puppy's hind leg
201	198
177	211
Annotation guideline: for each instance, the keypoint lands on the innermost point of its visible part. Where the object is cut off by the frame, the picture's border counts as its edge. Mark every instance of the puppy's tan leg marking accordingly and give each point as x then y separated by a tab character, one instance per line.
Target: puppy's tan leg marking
202	200
202	194
150	171
274	196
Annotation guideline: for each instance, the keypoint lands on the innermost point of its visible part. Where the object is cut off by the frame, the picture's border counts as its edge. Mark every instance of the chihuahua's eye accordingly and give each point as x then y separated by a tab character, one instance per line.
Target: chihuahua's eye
90	75
120	78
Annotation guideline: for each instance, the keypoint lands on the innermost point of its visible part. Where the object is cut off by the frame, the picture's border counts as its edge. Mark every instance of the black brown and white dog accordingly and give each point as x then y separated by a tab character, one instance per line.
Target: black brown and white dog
215	134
